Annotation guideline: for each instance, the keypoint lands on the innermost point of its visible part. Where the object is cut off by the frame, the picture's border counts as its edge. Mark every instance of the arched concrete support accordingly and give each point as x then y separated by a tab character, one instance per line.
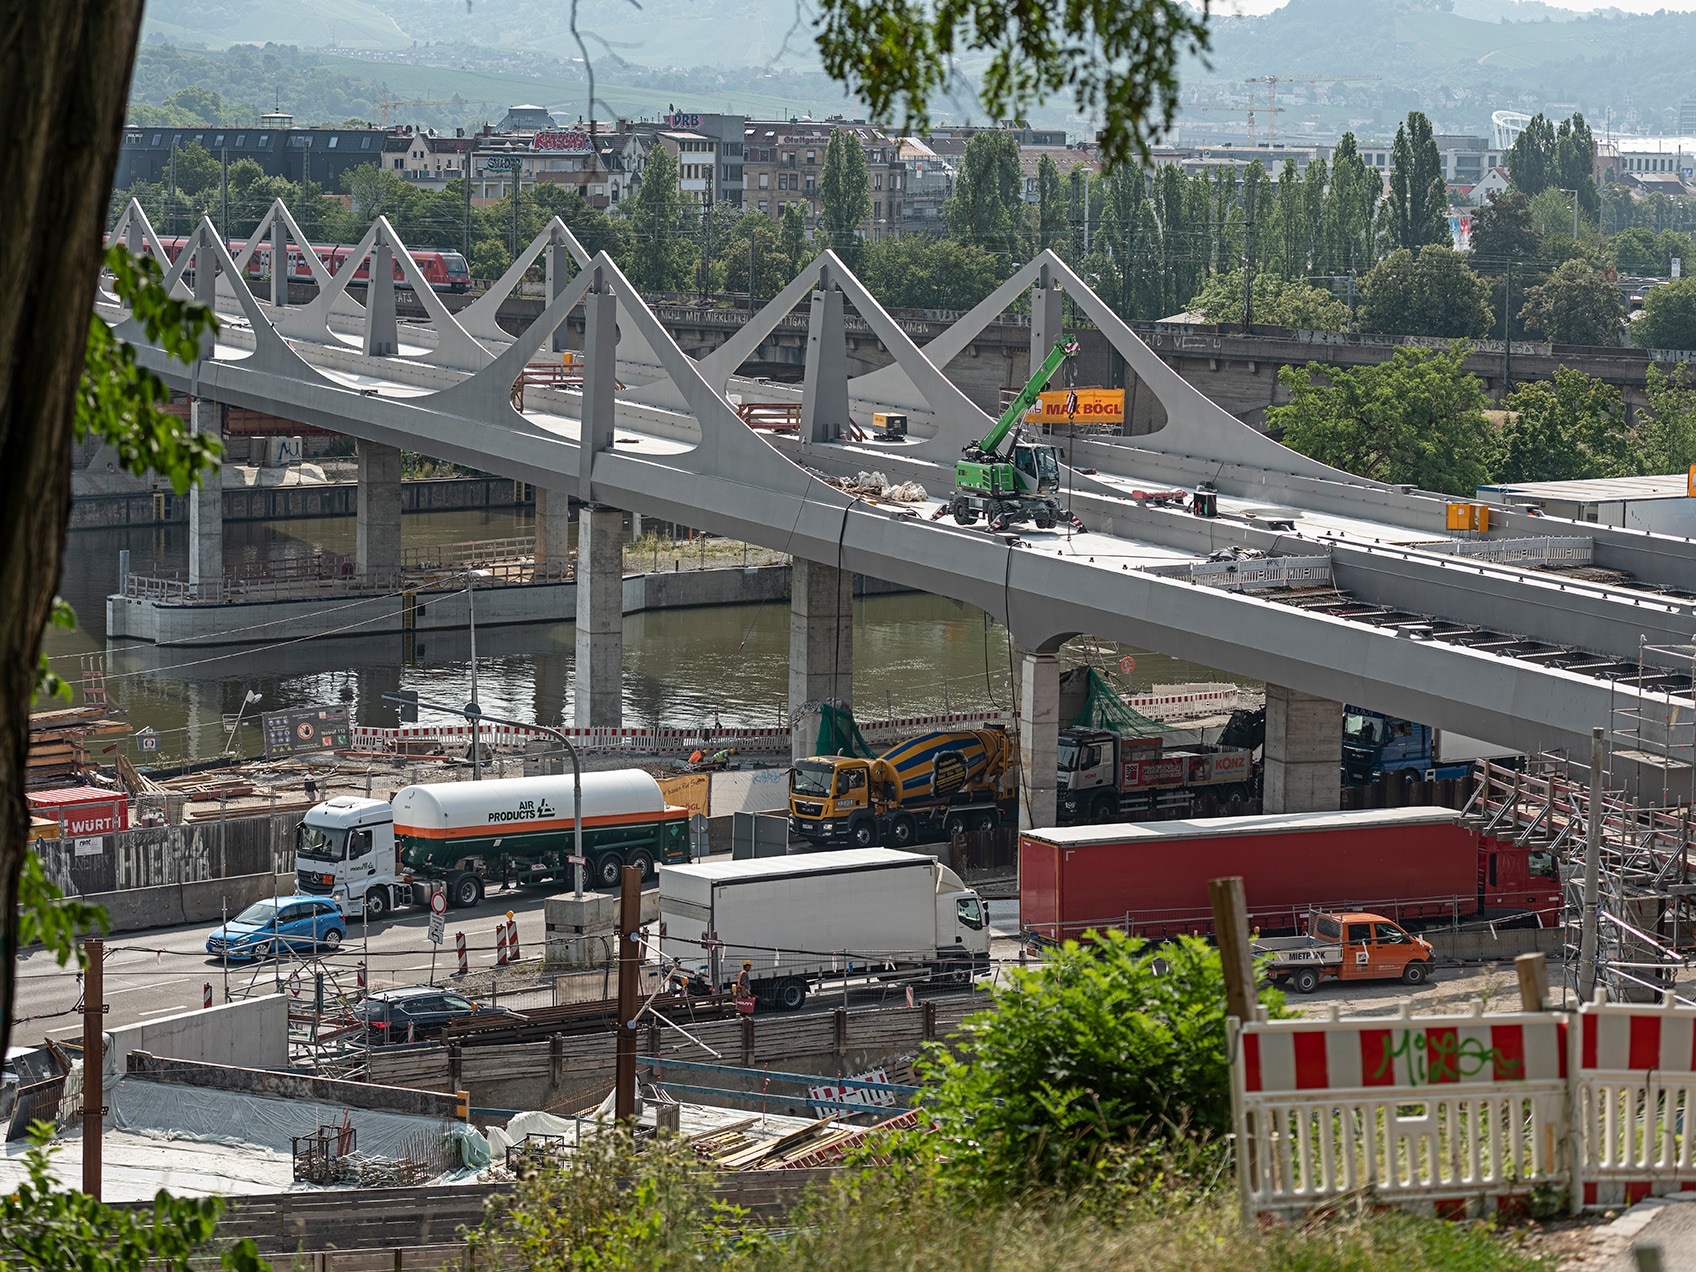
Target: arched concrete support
1048	312
821	642
1304	752
377	503
599	693
553	525
206	509
1039	738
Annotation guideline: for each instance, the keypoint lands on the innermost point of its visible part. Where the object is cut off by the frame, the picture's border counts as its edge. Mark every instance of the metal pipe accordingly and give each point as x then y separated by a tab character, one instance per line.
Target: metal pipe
1592	855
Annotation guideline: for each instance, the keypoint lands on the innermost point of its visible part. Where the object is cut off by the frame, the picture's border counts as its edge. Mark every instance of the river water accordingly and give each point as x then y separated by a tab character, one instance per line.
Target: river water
913	654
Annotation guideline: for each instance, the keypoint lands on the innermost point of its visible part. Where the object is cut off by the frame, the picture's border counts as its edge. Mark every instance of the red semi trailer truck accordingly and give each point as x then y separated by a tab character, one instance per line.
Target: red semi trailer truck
1410	864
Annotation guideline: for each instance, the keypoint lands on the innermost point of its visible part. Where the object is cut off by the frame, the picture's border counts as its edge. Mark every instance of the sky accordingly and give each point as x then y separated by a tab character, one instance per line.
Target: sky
1578	6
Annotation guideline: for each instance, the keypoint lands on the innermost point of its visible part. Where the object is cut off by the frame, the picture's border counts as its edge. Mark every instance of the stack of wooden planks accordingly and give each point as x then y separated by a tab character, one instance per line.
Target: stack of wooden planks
57	753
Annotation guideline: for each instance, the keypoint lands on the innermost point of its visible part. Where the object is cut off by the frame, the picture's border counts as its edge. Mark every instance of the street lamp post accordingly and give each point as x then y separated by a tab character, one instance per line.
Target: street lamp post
473	710
248	700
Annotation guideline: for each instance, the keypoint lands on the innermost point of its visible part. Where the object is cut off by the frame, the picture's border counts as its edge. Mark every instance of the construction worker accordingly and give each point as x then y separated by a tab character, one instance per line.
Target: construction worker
744	988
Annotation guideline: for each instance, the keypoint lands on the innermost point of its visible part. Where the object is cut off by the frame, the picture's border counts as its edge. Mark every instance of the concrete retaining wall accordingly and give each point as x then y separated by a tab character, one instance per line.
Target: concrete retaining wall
174	904
1481	945
173	623
249	1080
252	1032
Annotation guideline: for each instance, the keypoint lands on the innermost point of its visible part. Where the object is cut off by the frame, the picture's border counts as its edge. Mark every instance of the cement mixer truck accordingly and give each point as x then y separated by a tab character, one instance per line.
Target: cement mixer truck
932	786
371	855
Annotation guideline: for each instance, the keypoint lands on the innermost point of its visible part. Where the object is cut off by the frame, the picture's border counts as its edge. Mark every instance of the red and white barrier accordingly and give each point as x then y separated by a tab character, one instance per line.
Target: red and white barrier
1467	1114
654	741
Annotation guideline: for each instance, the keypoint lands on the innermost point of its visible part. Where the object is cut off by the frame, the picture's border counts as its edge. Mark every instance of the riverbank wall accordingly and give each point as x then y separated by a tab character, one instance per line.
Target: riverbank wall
337	610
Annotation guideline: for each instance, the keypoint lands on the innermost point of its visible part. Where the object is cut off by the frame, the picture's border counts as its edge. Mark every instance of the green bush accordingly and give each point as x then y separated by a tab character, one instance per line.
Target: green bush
1110	1041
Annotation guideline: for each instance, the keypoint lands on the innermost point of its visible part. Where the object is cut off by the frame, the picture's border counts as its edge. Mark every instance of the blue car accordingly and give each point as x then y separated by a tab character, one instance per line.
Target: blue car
297	924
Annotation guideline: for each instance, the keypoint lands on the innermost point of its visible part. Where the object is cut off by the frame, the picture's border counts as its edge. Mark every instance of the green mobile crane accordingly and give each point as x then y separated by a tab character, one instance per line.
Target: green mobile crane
1023	482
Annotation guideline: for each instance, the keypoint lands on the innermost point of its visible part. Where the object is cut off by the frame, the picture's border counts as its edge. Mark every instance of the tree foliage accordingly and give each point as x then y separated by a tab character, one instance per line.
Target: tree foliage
844	192
1668	320
1107	1041
42	1227
1277	302
1117	58
1577	304
1419	208
924	273
1570	427
1417	418
1431	294
988	208
662	250
1666	428
1503	233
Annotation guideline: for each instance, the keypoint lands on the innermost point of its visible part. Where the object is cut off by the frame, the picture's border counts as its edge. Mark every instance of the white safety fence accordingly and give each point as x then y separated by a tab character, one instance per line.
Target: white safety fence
1458	1115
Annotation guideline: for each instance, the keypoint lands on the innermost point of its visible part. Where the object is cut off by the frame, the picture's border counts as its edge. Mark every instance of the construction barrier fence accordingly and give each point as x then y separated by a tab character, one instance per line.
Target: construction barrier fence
1466	1115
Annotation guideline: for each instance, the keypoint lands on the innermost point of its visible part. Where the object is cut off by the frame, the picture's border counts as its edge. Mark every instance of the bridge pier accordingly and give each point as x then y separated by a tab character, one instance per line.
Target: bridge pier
1304	752
377	504
206	509
1039	739
821	642
382	334
553	526
598	700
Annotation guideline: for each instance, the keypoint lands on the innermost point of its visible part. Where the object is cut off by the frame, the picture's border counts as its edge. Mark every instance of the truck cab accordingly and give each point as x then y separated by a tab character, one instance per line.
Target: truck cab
344	848
1089	774
830	800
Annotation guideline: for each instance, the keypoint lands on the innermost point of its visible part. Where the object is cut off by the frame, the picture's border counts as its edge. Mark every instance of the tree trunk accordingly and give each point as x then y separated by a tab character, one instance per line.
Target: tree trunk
64	80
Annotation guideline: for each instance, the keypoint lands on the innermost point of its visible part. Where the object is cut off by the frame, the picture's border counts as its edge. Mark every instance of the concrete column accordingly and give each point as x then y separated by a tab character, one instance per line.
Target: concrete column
559	277
600	385
598	695
1304	752
553	526
821	642
1039	739
1047	315
378	507
206	510
382	335
205	280
824	399
279	262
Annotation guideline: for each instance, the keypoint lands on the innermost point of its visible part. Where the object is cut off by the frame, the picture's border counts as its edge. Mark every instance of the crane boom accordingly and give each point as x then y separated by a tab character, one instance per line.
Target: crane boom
1027	396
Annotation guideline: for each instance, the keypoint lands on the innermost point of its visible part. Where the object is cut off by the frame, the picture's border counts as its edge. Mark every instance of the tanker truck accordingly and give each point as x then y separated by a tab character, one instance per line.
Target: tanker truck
371	855
935	785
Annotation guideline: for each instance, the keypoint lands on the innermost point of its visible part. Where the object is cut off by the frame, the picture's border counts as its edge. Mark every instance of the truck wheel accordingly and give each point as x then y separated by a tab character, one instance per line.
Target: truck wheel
643	858
1416	973
1044	518
903	832
1306	980
790	993
863	833
955	825
988	821
964	513
1105	809
376	903
464	891
609	868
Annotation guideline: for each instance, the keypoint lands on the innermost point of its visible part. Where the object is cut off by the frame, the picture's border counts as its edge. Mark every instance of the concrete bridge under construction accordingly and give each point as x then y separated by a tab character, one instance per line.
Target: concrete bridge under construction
1328	587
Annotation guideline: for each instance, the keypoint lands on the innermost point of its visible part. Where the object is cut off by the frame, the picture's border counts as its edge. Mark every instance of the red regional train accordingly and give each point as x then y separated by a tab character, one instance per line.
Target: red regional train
444	271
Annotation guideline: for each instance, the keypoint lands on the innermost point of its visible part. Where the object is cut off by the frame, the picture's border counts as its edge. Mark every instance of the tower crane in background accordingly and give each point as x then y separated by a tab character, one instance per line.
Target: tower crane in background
1272	82
385	102
1250	110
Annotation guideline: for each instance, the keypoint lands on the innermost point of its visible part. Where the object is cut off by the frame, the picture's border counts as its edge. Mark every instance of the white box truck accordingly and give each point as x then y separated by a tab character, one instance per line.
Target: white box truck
802	918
